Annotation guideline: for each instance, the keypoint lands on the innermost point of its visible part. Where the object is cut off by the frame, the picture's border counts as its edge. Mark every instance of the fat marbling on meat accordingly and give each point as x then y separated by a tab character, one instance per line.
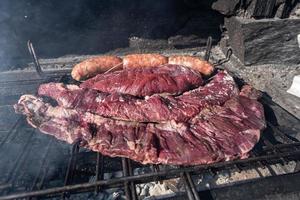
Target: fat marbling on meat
217	133
155	108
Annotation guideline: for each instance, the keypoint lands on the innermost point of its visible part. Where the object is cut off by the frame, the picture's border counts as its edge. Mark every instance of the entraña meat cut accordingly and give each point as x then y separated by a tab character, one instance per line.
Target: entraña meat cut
211	123
156	108
140	82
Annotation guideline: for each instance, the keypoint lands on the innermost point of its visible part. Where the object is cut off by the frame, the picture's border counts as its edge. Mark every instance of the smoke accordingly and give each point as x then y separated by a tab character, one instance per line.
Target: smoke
59	28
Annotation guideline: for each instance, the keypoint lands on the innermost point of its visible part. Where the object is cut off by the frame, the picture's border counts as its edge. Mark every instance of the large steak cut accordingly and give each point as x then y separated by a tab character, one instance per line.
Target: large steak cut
172	79
156	108
217	133
211	123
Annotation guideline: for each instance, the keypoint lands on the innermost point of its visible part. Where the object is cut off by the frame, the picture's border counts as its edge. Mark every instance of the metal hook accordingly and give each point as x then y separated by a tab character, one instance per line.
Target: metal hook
208	48
35	59
228	54
222	61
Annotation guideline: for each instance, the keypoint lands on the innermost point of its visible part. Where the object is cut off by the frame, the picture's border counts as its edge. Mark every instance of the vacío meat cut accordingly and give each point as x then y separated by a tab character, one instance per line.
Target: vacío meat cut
217	133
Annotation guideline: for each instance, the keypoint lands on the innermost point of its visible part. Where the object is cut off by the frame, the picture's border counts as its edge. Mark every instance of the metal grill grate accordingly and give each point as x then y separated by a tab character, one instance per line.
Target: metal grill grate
265	154
275	147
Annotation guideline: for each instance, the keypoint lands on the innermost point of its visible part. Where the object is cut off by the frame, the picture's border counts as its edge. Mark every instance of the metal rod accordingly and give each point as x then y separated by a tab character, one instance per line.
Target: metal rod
71	166
18	164
56	190
5	186
132	185
19	159
282	146
155	168
272	172
164	173
41	184
35	59
208	48
187	187
14	127
42	164
238	168
278	132
192	185
226	59
99	170
125	174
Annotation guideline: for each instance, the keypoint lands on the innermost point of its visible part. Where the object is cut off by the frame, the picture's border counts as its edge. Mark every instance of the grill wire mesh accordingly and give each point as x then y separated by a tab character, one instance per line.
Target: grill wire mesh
36	170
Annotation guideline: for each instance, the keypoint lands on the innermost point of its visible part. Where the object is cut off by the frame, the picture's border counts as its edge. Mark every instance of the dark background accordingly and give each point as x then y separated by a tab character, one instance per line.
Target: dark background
82	27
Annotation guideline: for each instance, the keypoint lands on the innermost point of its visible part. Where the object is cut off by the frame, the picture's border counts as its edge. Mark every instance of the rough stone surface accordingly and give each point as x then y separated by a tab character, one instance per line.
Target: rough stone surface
296	11
255	8
226	7
262	8
273	79
266	41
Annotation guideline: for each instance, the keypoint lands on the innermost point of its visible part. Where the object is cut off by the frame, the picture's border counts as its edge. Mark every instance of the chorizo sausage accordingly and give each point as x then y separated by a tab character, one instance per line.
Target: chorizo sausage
195	63
144	60
93	66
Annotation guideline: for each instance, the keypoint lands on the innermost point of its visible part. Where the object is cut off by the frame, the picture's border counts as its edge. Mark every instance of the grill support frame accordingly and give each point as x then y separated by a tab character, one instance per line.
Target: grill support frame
274	153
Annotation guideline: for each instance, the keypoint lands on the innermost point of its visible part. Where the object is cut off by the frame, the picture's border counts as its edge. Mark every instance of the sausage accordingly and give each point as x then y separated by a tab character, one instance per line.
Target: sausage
93	66
144	60
195	63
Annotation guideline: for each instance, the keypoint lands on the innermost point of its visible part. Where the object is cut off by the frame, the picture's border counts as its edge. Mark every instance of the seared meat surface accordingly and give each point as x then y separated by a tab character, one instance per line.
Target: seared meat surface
210	123
140	82
156	108
217	133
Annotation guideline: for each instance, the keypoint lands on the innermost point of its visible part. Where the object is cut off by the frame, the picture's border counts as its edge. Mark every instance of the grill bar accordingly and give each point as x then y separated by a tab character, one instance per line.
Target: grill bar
192	185
99	169
208	48
270	152
282	135
273	187
71	166
20	159
188	189
132	185
155	168
125	174
14	127
44	158
35	59
250	162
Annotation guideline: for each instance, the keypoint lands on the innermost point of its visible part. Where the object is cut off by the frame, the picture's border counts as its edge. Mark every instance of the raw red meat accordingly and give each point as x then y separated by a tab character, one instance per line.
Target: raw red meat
172	79
156	108
217	133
